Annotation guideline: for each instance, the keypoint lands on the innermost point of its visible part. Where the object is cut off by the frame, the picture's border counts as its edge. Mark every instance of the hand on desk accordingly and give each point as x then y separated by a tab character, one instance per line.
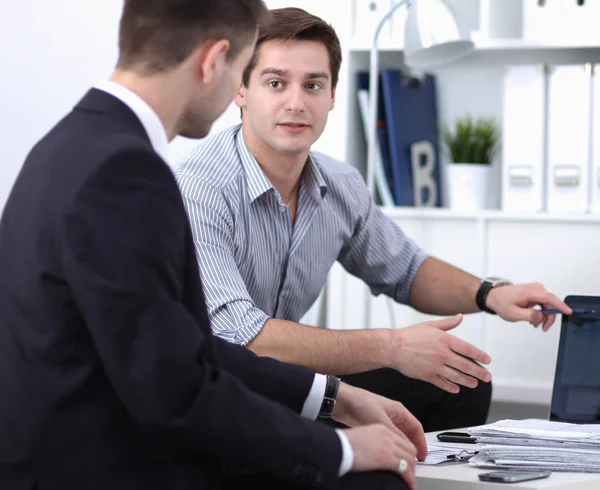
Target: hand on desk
378	448
514	303
387	432
427	351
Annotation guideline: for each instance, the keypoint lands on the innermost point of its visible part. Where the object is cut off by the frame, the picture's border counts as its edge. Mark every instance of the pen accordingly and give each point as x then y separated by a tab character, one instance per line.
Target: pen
576	311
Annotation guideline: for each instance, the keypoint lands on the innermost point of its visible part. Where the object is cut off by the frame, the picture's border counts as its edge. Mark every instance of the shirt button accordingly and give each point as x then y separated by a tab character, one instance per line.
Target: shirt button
283	294
282	209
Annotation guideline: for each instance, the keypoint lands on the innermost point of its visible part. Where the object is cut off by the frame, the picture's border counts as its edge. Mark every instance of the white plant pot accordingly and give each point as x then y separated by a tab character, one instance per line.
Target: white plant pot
469	186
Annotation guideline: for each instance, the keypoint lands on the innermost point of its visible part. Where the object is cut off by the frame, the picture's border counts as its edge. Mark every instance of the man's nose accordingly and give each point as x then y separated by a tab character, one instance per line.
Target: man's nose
295	100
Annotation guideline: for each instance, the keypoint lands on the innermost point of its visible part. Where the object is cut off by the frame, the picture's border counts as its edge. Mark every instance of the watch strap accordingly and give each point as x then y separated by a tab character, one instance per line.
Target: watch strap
482	293
331	390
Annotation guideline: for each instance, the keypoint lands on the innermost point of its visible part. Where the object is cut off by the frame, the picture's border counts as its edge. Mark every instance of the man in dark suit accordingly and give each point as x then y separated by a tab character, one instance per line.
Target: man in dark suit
109	375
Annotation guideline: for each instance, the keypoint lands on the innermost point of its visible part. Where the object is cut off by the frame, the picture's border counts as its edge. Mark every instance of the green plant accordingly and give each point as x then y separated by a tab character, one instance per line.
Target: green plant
472	141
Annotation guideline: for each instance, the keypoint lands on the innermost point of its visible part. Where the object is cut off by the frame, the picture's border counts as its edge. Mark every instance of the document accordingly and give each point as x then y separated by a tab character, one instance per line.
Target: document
538	444
537	457
540	430
446	454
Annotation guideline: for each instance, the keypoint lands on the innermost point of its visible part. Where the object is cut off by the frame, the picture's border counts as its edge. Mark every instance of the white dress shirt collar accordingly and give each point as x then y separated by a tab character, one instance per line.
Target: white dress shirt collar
149	119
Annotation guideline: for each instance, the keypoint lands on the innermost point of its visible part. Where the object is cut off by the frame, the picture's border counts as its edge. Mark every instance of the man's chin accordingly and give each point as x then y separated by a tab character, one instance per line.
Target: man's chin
195	133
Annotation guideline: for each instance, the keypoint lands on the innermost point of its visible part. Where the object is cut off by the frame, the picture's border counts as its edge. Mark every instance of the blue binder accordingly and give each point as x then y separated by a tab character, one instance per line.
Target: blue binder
412	123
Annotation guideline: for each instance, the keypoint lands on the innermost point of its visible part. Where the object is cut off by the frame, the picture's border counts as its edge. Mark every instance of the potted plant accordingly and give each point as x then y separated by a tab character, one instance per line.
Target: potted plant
472	145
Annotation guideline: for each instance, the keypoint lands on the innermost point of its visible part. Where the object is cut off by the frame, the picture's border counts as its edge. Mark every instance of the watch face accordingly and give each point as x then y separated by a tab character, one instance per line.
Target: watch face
497	281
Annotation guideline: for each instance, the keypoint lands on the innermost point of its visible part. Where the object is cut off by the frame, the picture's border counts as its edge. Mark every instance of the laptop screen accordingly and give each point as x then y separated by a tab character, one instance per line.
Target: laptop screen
576	390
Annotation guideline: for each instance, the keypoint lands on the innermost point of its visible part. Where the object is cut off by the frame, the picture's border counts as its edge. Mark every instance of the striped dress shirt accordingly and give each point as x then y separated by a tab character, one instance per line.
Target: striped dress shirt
255	264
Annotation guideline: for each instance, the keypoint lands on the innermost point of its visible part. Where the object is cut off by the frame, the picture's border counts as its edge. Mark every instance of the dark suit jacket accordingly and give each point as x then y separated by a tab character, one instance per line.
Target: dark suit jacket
109	374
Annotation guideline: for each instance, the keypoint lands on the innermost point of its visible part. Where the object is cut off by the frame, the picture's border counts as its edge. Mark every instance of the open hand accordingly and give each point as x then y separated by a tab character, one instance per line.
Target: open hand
426	351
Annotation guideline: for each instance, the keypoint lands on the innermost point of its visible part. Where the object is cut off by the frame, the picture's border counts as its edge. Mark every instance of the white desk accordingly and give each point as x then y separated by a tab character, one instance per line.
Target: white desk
461	476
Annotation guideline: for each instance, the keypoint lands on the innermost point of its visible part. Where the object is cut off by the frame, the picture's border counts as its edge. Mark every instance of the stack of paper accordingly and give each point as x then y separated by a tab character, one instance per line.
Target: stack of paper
538	458
538	444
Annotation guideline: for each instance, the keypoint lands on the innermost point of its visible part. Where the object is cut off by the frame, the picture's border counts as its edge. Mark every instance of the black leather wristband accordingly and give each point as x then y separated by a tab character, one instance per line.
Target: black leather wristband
481	296
331	390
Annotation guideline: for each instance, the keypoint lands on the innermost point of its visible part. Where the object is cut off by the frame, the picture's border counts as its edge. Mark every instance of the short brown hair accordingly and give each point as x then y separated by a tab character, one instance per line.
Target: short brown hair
156	35
294	23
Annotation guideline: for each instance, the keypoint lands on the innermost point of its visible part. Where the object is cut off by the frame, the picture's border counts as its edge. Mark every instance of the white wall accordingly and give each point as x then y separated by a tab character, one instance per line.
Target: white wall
51	53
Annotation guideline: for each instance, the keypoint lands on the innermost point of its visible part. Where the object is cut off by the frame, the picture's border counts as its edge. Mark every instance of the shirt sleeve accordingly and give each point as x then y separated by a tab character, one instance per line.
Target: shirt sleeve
379	252
314	400
347	453
234	316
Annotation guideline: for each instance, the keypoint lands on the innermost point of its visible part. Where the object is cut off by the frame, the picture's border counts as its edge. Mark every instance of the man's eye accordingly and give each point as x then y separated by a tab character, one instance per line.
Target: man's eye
275	84
313	86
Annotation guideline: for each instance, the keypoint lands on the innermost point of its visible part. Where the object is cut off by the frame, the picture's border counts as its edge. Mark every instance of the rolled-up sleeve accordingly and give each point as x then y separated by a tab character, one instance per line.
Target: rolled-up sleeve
234	316
379	252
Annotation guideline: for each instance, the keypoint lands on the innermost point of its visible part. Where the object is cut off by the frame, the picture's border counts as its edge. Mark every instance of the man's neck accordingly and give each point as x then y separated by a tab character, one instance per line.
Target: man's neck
284	171
161	93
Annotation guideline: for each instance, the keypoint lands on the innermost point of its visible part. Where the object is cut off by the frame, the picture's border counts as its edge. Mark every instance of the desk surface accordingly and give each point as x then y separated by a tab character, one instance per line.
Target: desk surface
461	476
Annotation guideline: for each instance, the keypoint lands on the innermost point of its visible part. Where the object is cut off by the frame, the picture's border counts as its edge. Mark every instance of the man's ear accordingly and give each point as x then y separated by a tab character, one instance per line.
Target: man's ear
240	97
332	100
211	58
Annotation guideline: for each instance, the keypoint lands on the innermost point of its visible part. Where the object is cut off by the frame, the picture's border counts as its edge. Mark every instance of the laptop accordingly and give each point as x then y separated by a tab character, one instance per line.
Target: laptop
576	388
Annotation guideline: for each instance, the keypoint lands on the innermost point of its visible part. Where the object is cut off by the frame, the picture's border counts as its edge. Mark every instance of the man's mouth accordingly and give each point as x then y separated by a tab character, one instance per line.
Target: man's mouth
293	125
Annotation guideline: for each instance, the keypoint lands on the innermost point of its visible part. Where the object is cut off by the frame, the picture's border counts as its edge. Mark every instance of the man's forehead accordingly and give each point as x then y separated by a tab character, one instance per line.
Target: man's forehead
272	56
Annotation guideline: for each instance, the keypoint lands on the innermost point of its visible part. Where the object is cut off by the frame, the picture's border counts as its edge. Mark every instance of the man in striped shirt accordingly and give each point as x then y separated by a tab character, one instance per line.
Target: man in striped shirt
270	217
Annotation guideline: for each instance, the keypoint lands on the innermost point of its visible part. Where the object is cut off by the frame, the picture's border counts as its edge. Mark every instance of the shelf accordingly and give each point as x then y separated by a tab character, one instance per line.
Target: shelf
519	49
486	215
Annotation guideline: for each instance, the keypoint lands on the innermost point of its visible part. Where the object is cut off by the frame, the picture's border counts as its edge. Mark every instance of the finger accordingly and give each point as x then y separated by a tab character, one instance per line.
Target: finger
551	301
536	317
408	475
410	478
443	384
394	425
467	350
548	322
458	378
473	370
538	295
446	324
413	430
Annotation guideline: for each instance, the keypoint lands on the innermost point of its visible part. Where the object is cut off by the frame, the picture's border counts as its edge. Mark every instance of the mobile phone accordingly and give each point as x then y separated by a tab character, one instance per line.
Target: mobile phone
463	437
513	476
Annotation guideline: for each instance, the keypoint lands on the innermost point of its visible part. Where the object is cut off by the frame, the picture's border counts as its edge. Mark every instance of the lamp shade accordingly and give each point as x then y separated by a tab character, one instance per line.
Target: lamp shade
434	35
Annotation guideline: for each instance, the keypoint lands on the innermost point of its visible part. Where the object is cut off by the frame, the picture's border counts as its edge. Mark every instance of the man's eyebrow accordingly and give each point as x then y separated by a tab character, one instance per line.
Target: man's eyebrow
274	71
318	74
286	73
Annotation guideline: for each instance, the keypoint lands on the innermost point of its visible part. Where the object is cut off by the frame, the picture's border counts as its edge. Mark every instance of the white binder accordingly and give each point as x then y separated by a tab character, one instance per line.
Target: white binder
523	139
366	16
594	184
568	138
543	21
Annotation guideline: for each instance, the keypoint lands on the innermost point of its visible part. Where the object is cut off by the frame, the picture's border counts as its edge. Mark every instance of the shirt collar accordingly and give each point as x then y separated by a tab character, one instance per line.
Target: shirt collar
149	119
258	182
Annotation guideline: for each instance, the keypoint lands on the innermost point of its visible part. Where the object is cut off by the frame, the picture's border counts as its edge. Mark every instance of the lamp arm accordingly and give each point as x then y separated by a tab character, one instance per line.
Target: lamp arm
374	98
